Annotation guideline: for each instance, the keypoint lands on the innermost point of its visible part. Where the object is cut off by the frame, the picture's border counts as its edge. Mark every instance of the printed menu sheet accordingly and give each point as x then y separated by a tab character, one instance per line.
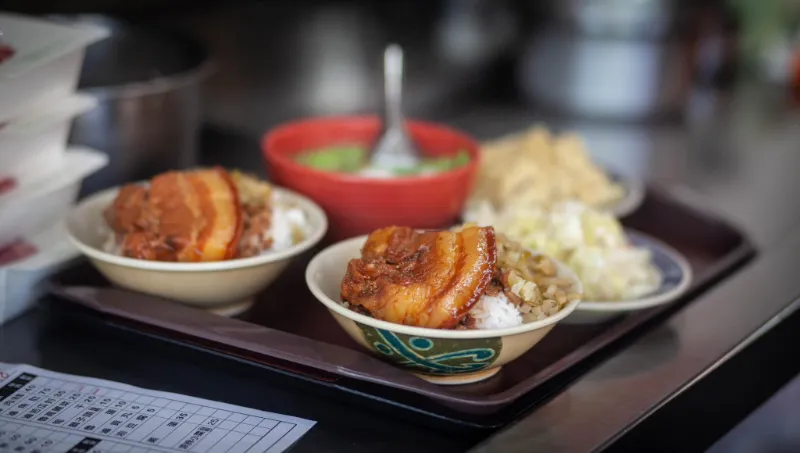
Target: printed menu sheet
43	412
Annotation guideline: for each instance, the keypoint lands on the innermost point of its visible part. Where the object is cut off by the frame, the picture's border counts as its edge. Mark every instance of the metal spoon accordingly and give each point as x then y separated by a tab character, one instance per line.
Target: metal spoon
394	149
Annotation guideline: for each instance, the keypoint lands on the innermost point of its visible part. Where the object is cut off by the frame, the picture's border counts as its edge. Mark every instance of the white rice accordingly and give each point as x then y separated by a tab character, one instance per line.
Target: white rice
110	245
495	312
285	221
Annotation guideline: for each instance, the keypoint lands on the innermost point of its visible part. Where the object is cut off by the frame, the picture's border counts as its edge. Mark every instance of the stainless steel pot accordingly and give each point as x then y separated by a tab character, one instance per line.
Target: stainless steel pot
149	112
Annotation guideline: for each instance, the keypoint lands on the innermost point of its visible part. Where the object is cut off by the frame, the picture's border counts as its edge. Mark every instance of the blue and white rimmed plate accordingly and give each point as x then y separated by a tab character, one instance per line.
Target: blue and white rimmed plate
676	276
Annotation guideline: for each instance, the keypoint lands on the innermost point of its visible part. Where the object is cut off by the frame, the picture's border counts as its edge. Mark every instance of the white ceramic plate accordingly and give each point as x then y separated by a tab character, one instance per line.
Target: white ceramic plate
676	276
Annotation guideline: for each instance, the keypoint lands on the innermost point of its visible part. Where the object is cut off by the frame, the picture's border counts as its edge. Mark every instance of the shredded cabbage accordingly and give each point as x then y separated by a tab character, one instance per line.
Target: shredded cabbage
589	241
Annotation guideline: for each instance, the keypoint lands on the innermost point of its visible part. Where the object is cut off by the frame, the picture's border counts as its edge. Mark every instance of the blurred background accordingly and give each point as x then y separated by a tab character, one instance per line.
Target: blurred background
701	94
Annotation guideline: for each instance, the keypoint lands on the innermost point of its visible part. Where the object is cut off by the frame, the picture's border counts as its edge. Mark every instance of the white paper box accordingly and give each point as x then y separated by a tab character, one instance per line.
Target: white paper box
36	205
21	283
46	64
33	145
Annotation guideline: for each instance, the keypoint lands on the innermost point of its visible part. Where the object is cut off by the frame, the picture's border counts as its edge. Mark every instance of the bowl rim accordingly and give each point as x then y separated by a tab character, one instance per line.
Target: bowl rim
269	152
308	206
646	301
337	307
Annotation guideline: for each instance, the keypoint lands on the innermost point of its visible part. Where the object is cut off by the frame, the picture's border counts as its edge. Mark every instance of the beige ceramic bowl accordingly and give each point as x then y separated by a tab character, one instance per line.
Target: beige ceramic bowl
446	357
225	287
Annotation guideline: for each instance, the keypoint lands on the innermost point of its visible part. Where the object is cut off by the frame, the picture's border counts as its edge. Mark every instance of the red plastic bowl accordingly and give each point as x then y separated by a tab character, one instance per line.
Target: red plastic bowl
356	205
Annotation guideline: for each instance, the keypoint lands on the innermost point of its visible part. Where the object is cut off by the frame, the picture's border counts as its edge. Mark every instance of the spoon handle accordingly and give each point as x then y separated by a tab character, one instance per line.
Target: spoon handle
393	86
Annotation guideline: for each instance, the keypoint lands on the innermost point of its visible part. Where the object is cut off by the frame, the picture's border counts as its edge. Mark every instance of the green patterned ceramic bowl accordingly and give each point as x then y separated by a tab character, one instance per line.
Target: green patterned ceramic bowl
441	356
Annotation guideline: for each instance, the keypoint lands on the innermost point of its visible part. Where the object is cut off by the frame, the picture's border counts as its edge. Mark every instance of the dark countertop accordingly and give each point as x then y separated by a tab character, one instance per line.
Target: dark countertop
737	153
772	427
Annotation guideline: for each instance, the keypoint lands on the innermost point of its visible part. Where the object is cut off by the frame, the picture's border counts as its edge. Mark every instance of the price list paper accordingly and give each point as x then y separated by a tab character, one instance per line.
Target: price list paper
46	412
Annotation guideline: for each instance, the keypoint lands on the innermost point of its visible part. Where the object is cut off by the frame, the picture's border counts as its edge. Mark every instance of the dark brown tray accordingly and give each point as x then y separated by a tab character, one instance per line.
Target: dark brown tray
289	331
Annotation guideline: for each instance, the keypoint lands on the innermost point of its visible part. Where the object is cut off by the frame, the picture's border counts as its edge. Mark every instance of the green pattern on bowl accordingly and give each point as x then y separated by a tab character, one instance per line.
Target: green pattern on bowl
439	356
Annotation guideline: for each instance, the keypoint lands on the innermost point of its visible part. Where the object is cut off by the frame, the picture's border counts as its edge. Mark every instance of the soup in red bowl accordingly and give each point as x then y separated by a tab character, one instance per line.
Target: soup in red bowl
358	202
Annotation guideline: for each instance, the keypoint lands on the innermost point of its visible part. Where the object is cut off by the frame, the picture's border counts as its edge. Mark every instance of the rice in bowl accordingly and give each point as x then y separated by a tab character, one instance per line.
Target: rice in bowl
465	278
526	287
